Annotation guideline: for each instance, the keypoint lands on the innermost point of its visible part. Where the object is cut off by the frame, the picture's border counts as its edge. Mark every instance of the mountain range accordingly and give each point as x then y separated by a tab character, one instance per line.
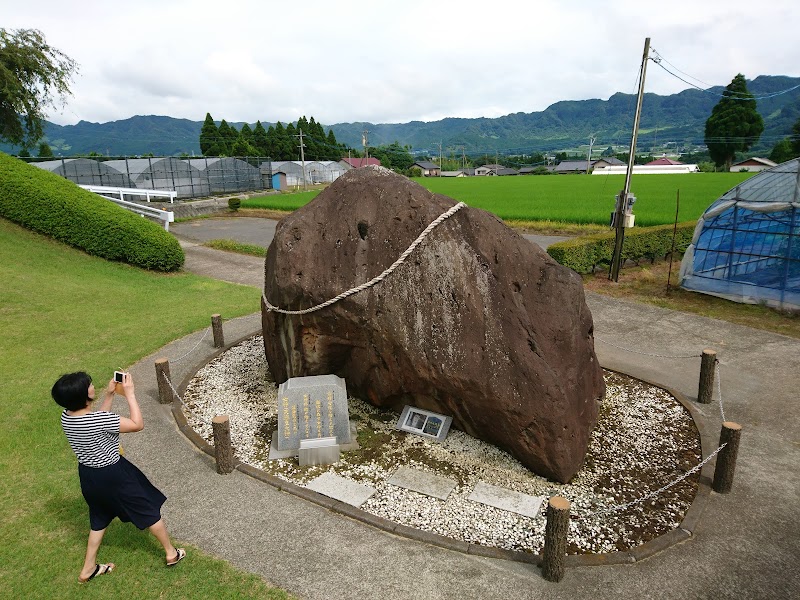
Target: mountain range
675	120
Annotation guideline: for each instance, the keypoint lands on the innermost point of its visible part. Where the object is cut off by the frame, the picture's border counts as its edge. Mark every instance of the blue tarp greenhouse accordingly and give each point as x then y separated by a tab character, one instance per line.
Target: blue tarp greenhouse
746	246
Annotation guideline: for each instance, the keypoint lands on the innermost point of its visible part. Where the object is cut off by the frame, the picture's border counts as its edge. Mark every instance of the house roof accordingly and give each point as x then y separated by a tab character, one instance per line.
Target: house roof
492	167
361	162
427	165
567	166
755	160
663	161
609	160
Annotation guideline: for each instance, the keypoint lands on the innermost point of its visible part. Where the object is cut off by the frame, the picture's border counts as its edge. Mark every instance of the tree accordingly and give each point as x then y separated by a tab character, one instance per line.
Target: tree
796	138
734	125
45	151
260	140
209	135
782	151
32	75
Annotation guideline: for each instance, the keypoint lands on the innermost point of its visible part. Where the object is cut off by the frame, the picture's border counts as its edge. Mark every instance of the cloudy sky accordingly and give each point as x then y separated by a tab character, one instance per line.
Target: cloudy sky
394	62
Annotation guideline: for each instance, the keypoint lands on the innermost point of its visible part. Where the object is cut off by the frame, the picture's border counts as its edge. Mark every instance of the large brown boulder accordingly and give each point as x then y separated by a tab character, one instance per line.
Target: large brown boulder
477	323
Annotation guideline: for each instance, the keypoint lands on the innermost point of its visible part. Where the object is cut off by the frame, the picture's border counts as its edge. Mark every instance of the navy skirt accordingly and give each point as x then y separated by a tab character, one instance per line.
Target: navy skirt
120	490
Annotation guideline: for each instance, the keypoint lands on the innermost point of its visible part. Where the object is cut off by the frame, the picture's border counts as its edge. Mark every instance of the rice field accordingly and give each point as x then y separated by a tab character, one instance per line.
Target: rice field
565	198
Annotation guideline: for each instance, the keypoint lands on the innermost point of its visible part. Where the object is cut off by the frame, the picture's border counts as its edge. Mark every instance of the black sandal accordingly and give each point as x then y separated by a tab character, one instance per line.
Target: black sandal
178	558
99	569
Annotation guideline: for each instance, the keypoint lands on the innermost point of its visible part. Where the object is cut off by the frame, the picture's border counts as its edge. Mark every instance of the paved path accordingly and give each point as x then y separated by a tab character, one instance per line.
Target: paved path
745	546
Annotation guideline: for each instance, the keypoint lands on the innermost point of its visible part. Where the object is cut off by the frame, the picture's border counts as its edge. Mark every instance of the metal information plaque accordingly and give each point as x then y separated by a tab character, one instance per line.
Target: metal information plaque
428	424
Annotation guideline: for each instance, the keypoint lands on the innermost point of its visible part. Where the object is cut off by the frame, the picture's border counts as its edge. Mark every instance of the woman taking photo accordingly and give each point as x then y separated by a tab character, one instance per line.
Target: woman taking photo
112	486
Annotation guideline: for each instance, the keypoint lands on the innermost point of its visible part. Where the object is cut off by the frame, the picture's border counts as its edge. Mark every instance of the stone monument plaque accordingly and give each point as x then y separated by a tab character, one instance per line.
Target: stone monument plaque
312	407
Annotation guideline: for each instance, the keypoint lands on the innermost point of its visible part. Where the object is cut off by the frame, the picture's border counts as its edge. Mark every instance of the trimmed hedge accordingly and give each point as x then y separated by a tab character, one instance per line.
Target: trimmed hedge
51	205
583	254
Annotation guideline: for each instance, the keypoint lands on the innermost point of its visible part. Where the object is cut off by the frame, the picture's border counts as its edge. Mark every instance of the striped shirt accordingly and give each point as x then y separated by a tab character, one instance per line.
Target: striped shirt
94	437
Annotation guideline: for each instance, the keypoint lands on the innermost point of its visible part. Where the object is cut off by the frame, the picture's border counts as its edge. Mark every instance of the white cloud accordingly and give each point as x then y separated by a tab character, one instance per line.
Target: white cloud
389	62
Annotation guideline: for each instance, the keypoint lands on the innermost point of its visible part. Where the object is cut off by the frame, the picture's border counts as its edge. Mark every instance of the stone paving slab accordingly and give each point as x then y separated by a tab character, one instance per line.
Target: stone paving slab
423	482
505	499
341	489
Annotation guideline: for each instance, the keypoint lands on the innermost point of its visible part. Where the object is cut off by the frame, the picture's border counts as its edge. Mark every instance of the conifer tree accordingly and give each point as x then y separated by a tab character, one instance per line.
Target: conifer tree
734	125
260	139
246	133
209	135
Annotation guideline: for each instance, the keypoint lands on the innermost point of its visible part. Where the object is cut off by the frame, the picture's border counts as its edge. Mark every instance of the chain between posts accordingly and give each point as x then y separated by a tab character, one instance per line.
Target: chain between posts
621	507
178	396
378	278
719	392
645	353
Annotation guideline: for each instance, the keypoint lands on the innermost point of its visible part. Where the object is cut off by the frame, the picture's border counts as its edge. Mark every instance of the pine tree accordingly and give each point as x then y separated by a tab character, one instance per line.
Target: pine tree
209	135
290	150
333	151
260	140
246	133
734	125
272	143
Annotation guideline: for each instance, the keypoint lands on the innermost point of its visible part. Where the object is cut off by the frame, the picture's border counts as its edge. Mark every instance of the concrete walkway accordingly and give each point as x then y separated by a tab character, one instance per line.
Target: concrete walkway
745	546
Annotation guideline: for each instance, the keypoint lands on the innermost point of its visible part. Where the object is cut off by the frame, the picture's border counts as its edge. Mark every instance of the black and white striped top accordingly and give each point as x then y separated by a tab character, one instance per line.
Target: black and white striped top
94	437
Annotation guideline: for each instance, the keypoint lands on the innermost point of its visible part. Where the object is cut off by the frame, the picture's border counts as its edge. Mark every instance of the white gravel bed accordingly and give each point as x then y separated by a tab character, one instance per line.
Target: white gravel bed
644	439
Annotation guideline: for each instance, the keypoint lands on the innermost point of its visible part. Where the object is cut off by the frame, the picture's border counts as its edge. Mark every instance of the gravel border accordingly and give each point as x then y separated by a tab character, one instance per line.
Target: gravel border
683	531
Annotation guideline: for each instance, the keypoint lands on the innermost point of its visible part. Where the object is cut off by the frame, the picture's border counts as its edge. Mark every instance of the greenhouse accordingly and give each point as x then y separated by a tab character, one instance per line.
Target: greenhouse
746	246
229	174
163	174
86	171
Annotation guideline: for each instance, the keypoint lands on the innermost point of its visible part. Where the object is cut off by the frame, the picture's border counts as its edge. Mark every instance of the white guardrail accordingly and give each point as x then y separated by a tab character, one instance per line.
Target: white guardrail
146	211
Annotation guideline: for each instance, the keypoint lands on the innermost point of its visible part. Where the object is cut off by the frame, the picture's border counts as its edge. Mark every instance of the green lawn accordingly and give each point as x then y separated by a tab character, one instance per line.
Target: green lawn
62	310
565	198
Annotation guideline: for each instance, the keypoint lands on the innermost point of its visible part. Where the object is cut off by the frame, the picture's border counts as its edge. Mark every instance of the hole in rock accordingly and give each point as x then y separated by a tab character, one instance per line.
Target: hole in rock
362	230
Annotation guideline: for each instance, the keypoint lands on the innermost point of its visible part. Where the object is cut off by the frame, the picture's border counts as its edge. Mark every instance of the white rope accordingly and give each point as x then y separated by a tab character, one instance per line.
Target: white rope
621	507
177	395
371	282
645	353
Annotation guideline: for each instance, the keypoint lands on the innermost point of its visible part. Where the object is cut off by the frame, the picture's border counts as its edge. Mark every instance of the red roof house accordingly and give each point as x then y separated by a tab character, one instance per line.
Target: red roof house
663	161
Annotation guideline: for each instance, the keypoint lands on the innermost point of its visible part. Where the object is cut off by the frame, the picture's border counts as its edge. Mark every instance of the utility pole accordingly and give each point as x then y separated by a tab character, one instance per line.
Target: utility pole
365	143
589	156
622	199
302	156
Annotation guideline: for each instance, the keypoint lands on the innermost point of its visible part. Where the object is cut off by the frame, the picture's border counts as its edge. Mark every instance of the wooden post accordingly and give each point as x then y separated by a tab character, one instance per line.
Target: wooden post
726	459
165	393
555	539
705	390
216	327
223	451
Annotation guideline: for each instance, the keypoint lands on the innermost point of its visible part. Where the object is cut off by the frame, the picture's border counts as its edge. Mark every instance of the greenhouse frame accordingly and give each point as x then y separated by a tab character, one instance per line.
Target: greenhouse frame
746	246
86	171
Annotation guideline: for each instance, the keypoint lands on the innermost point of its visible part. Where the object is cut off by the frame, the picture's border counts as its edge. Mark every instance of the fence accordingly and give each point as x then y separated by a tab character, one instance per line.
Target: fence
189	177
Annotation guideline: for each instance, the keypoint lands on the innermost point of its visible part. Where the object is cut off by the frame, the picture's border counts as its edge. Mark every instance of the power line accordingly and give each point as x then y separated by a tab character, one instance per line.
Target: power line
730	95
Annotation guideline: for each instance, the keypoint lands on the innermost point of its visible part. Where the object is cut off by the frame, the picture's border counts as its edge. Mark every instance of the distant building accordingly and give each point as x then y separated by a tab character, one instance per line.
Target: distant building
493	170
354	163
606	161
453	174
663	161
572	166
752	164
428	169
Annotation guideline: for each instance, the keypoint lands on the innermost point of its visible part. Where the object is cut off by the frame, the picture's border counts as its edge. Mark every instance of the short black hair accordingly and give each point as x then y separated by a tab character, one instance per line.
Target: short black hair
72	390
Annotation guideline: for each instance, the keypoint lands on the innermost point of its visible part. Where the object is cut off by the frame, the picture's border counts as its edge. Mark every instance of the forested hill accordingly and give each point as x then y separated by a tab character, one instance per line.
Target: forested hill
678	118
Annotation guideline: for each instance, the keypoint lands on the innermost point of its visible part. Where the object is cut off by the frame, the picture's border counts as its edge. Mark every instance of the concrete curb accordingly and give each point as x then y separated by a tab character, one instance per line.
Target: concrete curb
640	553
